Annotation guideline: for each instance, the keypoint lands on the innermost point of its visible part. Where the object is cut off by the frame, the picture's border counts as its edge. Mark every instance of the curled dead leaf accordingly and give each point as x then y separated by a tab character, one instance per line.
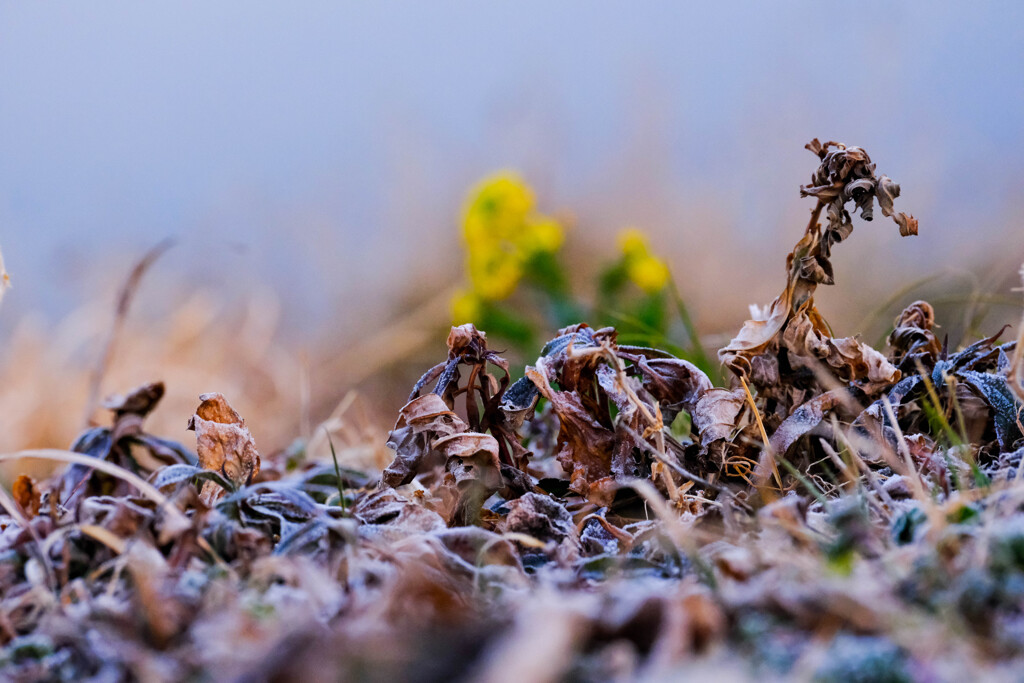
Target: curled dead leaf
131	409
224	444
472	461
849	358
420	422
912	336
675	383
717	414
804	419
139	401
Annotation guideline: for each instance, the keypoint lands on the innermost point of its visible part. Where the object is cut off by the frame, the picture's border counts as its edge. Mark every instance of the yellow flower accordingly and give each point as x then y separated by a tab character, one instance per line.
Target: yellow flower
544	236
633	243
497	208
502	232
466	308
494	272
648	272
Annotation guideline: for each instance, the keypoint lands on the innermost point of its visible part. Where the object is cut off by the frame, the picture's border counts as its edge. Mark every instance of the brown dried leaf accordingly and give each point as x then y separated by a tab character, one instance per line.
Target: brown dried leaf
26	494
757	335
224	444
675	383
139	401
540	517
717	413
887	191
121	516
132	408
912	334
584	445
851	360
467	342
472	461
573	370
386	507
804	419
421	421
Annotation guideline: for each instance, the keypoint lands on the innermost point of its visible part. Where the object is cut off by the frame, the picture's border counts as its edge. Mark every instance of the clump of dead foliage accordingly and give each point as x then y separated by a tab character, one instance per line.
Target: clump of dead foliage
834	512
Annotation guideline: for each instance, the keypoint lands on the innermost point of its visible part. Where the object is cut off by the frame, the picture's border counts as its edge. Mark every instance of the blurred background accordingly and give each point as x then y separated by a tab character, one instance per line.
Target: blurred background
311	162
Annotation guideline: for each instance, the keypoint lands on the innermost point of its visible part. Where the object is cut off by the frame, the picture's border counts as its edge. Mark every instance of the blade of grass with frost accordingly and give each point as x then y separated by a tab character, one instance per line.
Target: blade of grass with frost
337	471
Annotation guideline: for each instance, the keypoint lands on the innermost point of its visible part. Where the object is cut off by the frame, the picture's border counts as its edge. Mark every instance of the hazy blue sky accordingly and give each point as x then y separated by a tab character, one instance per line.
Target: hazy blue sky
322	148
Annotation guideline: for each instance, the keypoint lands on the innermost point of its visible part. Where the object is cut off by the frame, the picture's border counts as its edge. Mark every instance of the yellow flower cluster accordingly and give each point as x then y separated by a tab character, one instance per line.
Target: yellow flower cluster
648	272
502	232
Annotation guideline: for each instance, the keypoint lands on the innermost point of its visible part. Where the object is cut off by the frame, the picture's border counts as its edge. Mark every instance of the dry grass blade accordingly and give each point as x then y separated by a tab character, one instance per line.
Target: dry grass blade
104	536
124	302
178	520
767	451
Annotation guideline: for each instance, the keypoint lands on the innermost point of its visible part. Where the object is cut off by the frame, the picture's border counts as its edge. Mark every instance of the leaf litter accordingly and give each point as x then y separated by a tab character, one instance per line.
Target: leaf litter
834	512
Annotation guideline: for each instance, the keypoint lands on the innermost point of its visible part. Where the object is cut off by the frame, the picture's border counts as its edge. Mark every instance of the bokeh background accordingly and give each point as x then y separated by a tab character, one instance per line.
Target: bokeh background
311	161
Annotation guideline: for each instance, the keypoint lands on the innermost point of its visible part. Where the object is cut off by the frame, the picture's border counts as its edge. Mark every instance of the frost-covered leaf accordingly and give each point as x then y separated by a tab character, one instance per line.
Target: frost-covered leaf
224	444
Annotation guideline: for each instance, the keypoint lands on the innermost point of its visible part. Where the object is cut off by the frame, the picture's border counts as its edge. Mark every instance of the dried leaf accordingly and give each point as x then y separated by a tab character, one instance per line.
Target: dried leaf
716	414
131	409
540	517
584	446
887	191
177	474
420	422
386	507
757	336
675	383
26	494
472	461
804	419
852	360
912	337
519	402
224	444
1007	410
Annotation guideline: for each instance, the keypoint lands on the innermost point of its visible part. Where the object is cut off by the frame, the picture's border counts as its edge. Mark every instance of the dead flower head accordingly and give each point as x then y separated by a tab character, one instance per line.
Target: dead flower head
847	174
